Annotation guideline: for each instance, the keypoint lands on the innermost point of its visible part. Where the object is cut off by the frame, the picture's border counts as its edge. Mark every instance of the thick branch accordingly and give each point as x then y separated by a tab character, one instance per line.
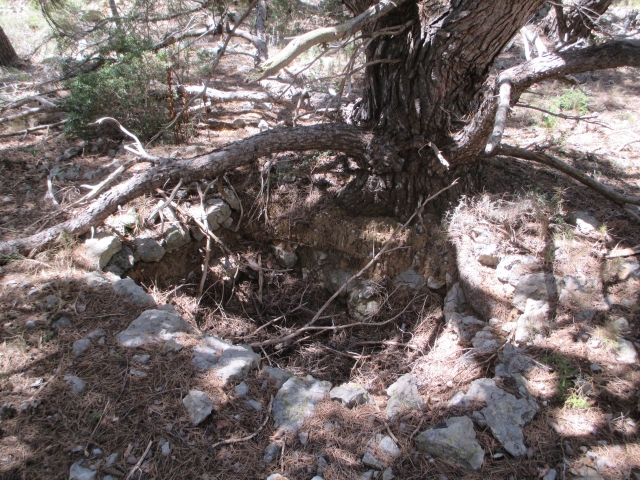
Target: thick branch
573	172
220	96
344	138
302	43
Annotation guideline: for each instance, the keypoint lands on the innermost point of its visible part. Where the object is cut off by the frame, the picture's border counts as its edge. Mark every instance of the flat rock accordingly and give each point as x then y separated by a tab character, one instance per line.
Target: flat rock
372	462
537	286
175	238
403	395
100	250
484	341
296	400
76	383
79	472
121	262
535	319
465	327
198	406
583	221
134	293
148	250
61	323
153	327
454	441
350	394
384	444
277	376
513	267
285	258
513	361
229	362
504	414
409	279
99	279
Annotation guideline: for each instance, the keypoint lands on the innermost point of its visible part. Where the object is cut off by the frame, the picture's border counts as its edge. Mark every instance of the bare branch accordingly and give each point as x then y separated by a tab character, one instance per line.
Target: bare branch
504	98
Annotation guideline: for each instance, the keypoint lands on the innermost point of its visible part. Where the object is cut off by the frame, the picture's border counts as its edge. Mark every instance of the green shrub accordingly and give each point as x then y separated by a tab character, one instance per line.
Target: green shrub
122	90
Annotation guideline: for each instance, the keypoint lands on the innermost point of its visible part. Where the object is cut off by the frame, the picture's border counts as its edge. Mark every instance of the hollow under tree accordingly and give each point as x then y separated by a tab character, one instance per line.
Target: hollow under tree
429	113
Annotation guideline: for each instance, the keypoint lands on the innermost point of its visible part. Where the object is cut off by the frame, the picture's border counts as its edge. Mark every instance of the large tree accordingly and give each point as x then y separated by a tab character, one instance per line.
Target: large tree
8	55
430	109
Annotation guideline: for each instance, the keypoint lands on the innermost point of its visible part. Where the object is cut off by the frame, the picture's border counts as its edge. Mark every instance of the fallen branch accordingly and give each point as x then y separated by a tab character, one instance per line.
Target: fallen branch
559	115
27	131
248	437
372	262
573	172
160	207
504	98
27	113
625	252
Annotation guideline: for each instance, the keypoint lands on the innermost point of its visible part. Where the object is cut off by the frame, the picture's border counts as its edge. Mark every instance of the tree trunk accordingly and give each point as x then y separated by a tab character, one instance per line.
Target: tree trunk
444	55
260	29
8	56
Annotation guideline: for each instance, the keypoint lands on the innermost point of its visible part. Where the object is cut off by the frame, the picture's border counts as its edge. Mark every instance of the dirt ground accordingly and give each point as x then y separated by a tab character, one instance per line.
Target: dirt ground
44	428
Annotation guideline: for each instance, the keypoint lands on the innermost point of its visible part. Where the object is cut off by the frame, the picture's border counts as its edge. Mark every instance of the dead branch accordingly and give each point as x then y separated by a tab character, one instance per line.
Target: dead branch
137	465
248	437
304	42
214	95
625	252
573	172
583	118
162	205
504	98
316	317
27	113
27	131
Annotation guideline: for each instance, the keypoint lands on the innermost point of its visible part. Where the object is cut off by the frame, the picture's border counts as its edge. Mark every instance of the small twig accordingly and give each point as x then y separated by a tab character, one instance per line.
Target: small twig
586	119
627	144
248	437
373	261
137	465
165	203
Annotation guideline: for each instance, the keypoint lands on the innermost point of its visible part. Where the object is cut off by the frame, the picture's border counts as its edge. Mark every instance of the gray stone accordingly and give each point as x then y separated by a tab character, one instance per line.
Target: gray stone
585	222
317	477
100	250
98	279
350	394
271	452
76	383
239	123
229	362
152	327
435	284
121	262
217	213
513	267
296	400
134	293
285	258
81	346
51	301
97	333
172	346
96	452
465	327
490	261
241	389
403	395
362	300
537	286
61	323
254	405
141	359
454	302
551	475
30	324
231	199
626	352
385	444
198	406
454	441
504	414
303	437
175	238
165	448
595	368
138	373
387	474
370	461
276	376
409	279
112	459
148	250
484	341
513	361
79	472
535	319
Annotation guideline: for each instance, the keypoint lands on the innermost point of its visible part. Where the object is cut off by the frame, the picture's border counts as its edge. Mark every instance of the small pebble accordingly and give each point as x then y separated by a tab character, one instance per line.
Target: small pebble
30	324
96	452
595	368
241	389
131	460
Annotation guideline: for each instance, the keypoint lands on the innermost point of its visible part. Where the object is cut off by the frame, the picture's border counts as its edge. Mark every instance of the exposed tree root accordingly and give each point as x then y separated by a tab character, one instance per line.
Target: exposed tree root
573	172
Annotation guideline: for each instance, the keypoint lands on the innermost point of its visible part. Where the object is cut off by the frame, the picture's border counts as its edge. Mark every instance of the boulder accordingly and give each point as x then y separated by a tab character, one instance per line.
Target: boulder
504	414
535	319
537	286
284	258
362	301
296	400
100	250
350	394
403	395
229	362
217	214
484	341
121	261
198	406
276	376
465	327
454	441
583	221
153	327
513	361
148	250
134	293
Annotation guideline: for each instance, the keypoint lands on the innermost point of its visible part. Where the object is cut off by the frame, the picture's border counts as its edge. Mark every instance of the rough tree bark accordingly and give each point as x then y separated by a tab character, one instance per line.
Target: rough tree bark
8	55
578	19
